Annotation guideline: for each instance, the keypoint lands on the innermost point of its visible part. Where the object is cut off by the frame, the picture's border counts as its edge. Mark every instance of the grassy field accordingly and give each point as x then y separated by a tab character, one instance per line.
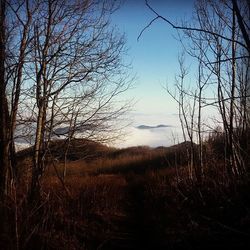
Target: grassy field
134	198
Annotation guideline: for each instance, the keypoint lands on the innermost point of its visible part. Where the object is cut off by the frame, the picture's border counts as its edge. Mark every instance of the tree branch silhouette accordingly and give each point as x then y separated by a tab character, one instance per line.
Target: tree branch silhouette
177	27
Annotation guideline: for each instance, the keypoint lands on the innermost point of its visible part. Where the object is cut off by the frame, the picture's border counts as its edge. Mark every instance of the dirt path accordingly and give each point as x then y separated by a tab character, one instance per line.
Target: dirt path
135	231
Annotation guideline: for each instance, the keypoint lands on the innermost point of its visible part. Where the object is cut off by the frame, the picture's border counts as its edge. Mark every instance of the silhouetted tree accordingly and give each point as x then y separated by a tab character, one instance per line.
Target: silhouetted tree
220	43
61	74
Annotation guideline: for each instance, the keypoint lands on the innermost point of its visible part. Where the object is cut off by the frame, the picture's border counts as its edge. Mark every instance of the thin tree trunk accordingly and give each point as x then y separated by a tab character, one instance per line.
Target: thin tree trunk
4	113
38	152
200	165
17	88
232	161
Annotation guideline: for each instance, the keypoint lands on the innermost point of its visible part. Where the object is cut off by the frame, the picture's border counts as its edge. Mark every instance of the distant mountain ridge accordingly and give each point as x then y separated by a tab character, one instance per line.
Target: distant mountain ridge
153	127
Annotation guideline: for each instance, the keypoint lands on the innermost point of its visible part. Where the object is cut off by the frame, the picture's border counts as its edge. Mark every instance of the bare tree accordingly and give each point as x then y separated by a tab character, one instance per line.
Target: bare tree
16	19
61	76
75	73
4	112
21	13
221	35
187	108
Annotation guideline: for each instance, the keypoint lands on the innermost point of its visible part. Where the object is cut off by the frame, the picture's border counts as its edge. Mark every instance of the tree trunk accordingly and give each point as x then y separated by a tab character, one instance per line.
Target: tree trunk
4	113
37	156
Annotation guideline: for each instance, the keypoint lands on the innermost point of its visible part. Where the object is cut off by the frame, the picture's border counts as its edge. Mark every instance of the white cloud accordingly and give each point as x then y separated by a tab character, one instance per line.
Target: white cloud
155	137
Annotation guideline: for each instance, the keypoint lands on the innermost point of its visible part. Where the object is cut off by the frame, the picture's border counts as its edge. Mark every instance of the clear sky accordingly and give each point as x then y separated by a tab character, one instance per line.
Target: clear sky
154	60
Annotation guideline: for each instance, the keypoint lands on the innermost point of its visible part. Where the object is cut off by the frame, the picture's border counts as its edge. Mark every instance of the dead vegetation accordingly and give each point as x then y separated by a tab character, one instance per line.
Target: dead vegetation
135	198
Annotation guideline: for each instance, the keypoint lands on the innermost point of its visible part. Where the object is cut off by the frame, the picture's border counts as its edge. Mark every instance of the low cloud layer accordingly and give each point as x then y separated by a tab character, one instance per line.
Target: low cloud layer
152	130
152	137
160	130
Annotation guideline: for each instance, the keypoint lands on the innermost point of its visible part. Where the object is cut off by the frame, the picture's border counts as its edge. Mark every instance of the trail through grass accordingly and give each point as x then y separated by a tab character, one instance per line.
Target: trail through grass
134	231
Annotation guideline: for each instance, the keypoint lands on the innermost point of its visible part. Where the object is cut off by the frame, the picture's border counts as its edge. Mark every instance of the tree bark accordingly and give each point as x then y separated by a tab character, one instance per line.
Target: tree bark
4	113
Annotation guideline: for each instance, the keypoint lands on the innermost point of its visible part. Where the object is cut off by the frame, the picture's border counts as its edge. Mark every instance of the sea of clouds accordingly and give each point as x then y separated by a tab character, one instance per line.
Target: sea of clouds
169	133
153	136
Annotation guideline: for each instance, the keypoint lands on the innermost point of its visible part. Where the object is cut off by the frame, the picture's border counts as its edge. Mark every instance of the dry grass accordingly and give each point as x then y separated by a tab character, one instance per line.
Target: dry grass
133	197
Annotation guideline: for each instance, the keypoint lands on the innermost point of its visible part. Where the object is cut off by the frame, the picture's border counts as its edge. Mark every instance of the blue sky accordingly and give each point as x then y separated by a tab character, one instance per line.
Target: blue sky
154	60
154	56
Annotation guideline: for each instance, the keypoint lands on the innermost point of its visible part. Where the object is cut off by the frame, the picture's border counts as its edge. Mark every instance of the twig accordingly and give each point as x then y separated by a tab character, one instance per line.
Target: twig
225	226
158	16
